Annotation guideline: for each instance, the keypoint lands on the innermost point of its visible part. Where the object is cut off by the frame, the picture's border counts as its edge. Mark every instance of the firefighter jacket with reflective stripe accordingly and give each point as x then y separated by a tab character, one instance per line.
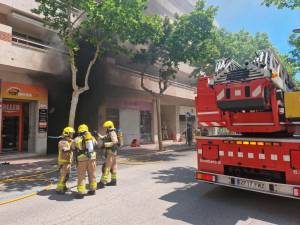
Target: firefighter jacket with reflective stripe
83	150
111	140
65	154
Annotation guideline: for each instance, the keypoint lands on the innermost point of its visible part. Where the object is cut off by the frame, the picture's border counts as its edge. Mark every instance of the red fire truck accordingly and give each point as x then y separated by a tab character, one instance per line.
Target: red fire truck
259	107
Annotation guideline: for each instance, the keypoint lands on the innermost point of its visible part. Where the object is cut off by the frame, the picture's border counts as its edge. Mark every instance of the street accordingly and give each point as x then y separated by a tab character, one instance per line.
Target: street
155	192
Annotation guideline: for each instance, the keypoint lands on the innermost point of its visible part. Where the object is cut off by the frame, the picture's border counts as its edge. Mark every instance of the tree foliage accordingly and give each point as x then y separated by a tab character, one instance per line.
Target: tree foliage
240	46
291	60
293	4
105	24
183	40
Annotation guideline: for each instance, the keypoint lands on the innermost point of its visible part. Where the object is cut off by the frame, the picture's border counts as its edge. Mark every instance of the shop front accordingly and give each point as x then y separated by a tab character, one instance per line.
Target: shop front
133	117
23	114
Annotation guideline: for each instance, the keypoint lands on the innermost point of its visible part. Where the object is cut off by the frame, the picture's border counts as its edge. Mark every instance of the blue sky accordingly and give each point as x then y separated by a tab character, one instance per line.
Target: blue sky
250	15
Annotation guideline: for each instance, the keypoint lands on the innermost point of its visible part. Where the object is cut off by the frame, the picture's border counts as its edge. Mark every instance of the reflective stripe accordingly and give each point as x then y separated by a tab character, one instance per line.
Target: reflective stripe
240	154
203	124
64	161
250	155
81	189
230	154
274	157
286	158
261	156
84	156
114	176
105	175
253	124
257	91
208	113
221	153
61	184
93	185
221	95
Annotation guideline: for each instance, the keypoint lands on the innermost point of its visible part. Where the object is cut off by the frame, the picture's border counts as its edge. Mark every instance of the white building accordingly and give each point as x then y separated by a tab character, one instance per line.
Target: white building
35	86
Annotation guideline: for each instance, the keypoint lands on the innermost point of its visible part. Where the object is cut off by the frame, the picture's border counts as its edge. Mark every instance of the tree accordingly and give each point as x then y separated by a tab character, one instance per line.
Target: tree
293	4
291	60
105	24
180	40
240	46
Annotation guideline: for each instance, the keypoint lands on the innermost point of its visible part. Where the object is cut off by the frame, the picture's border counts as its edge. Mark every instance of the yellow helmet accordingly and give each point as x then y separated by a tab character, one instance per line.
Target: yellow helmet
108	124
83	128
68	131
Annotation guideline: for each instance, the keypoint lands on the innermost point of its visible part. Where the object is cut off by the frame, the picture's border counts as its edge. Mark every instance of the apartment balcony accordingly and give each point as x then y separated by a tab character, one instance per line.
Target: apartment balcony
29	55
124	77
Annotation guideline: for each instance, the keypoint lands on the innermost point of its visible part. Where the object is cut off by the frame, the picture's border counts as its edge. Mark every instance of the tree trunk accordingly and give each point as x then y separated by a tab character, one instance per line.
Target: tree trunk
158	113
74	102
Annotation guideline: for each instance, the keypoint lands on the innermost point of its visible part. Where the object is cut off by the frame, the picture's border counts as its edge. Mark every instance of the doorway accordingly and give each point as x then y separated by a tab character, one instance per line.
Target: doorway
14	127
10	133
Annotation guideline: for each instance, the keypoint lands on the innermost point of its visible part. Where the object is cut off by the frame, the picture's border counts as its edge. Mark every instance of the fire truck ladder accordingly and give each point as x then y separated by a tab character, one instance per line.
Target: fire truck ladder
266	64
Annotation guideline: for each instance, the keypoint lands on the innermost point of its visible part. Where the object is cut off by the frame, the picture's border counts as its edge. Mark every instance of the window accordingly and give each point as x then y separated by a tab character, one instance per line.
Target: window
113	115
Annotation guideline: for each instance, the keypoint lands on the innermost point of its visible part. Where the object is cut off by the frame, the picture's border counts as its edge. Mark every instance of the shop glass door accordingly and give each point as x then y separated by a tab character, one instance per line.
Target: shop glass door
12	123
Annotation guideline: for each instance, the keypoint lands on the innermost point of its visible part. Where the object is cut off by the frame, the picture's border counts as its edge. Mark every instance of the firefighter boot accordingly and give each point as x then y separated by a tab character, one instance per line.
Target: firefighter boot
60	186
100	185
91	192
113	181
104	179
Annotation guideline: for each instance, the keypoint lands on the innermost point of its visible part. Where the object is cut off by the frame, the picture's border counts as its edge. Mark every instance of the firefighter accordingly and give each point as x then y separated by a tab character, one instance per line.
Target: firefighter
111	145
86	160
65	157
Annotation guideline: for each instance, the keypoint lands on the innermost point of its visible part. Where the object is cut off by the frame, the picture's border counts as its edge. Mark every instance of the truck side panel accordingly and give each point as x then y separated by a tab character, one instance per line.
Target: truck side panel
267	156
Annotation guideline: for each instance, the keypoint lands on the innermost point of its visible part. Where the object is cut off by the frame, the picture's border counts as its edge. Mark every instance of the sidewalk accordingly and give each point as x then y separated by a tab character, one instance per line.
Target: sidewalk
27	164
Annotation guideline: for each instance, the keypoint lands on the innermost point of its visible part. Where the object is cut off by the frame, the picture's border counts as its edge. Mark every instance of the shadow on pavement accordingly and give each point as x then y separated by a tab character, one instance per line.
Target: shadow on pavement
208	204
150	157
33	183
69	196
21	169
176	174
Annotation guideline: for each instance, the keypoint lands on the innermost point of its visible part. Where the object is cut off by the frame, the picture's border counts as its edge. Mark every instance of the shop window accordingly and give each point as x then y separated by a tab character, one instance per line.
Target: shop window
146	127
114	116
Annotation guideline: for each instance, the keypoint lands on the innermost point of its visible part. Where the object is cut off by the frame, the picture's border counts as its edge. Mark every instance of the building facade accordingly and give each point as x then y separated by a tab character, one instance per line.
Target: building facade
26	68
36	89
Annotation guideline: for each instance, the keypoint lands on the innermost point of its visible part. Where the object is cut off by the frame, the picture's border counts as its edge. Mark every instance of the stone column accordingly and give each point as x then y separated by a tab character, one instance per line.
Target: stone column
154	123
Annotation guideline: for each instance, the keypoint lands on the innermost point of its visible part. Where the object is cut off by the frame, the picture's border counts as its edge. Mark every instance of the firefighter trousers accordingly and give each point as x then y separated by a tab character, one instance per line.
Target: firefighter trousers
110	166
87	166
64	173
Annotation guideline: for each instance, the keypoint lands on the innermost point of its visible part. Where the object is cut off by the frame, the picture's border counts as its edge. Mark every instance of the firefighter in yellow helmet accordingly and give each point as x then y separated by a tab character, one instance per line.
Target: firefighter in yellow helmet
65	157
111	145
86	160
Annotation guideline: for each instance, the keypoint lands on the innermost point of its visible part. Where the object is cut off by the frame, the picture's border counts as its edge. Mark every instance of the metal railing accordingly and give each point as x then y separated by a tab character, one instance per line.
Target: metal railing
35	45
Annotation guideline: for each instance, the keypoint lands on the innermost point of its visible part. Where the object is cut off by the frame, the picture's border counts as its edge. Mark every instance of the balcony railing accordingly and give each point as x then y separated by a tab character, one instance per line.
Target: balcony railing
35	45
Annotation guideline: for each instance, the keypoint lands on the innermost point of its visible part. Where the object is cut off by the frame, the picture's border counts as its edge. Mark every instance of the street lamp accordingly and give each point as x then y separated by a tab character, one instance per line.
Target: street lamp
297	30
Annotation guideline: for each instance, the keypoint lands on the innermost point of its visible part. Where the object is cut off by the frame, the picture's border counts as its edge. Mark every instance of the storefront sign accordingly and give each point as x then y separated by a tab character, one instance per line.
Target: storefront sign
43	120
132	104
11	107
12	90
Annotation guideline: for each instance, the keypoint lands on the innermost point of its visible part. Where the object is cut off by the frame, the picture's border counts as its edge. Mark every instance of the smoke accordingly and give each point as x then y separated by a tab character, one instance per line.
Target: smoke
56	56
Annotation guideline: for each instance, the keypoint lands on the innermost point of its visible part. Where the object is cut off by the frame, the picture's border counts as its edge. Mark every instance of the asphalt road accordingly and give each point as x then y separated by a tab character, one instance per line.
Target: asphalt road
155	193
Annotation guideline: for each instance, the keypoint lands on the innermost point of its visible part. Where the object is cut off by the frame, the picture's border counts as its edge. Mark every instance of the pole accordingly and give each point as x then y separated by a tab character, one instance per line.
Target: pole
157	101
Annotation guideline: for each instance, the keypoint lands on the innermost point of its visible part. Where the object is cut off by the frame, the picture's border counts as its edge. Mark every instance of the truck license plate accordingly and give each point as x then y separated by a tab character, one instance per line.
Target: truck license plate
250	184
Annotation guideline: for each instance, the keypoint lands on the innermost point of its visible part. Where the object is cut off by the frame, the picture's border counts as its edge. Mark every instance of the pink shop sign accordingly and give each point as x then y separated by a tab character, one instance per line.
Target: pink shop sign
137	105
